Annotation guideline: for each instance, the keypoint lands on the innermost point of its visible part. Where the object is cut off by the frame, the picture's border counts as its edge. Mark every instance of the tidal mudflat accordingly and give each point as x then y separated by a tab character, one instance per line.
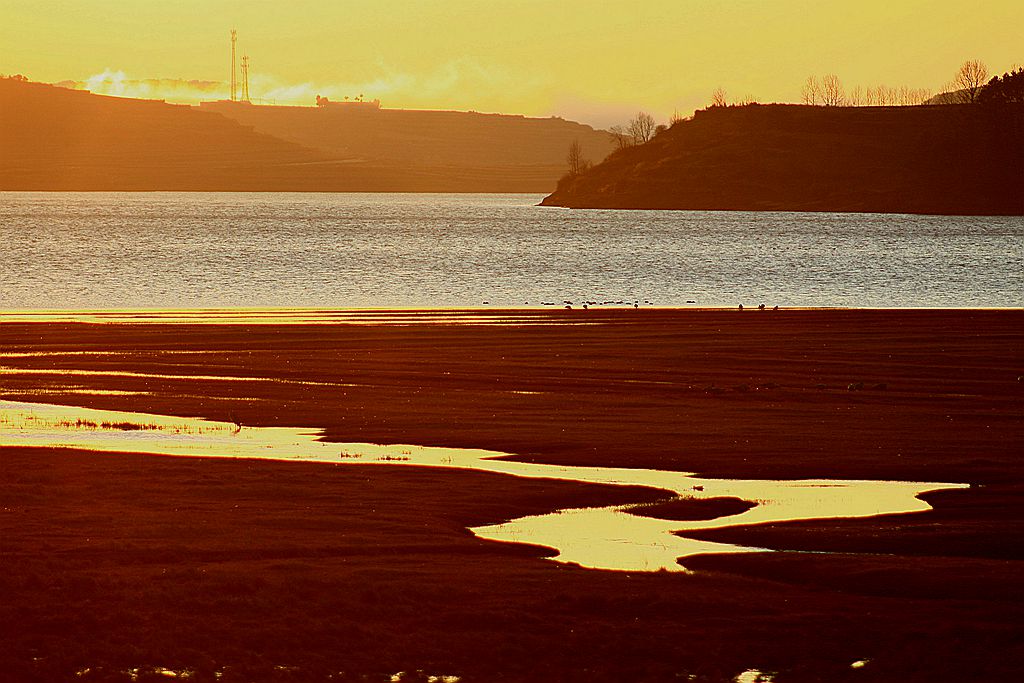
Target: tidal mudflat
369	569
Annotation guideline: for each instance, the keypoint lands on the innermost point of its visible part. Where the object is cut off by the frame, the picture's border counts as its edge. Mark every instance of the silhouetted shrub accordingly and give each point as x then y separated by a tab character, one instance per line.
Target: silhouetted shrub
1005	90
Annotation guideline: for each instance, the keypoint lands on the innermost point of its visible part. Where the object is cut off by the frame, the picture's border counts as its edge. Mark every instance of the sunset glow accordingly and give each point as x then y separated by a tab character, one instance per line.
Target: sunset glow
574	58
454	341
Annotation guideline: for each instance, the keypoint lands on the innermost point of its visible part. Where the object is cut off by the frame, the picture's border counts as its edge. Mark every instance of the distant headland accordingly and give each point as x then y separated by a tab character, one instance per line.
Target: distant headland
965	159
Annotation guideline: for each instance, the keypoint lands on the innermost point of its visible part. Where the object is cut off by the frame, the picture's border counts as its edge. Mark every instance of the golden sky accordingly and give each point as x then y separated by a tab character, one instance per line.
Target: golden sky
592	61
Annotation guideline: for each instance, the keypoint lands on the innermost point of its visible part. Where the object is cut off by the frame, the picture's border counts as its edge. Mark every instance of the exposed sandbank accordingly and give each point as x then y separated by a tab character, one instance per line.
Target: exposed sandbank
116	561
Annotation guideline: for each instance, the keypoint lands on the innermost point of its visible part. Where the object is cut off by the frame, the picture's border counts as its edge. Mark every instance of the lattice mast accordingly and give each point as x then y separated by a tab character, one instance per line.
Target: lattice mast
245	78
234	80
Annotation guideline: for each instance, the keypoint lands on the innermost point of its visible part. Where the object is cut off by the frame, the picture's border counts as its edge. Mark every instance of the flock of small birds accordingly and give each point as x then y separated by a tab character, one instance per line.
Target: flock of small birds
587	304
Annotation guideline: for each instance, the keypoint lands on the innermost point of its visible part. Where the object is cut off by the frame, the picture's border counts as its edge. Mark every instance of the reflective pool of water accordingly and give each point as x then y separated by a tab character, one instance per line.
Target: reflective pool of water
602	538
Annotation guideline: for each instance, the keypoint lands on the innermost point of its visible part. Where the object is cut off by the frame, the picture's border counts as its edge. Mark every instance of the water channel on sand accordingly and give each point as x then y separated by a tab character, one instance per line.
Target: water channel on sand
600	538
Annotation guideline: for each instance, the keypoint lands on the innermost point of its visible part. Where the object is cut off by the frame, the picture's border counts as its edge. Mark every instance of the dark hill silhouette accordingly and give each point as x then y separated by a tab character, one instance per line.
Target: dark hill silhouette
57	139
956	159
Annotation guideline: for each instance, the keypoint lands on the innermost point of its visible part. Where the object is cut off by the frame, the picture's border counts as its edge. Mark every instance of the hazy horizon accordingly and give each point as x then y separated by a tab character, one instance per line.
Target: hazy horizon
529	58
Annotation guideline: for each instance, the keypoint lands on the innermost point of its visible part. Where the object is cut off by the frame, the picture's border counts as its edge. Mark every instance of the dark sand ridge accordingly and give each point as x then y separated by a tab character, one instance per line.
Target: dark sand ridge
722	393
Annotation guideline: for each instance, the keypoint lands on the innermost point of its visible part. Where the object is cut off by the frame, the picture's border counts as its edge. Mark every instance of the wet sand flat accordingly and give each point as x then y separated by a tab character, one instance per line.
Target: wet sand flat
867	394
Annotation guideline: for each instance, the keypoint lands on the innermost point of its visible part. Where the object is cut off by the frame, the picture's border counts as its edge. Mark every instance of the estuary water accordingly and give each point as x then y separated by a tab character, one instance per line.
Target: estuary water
266	250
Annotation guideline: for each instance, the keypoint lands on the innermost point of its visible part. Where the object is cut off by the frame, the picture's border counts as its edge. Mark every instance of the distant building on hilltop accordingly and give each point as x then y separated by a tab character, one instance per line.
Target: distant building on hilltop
359	102
216	103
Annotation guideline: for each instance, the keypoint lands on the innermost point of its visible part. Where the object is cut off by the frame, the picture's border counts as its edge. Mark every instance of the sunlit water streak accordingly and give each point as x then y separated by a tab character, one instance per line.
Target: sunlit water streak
602	538
163	250
292	317
51	354
73	372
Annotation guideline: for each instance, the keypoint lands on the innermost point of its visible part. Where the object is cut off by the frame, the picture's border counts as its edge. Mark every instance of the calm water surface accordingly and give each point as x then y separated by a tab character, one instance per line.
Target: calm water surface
601	538
200	250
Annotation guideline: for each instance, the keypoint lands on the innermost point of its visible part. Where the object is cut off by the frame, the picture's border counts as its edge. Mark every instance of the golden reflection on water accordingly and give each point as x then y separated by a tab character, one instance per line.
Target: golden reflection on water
601	538
72	372
77	391
299	316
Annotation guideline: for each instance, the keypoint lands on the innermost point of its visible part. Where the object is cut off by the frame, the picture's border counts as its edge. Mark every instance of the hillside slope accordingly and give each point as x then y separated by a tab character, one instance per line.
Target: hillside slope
424	138
957	159
58	139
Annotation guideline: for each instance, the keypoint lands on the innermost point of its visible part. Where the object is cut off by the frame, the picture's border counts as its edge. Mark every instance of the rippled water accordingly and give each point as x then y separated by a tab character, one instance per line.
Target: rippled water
203	250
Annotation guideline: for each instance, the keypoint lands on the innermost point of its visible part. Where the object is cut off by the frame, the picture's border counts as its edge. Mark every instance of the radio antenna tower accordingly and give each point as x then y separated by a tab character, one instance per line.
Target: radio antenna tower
234	82
245	78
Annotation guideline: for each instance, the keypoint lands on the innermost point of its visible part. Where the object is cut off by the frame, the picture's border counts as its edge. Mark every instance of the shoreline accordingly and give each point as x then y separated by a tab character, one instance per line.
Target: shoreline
366	315
543	194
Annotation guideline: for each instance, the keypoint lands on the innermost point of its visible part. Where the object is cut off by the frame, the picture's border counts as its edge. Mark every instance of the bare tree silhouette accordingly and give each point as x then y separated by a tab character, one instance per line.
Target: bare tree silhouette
970	78
621	137
832	93
641	128
577	162
811	92
718	98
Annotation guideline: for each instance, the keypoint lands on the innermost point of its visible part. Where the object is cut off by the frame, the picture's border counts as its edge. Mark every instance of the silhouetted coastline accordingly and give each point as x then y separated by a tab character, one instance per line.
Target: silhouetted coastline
954	160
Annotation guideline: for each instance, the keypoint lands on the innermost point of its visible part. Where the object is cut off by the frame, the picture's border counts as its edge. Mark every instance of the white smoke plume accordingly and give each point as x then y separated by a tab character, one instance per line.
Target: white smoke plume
461	84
